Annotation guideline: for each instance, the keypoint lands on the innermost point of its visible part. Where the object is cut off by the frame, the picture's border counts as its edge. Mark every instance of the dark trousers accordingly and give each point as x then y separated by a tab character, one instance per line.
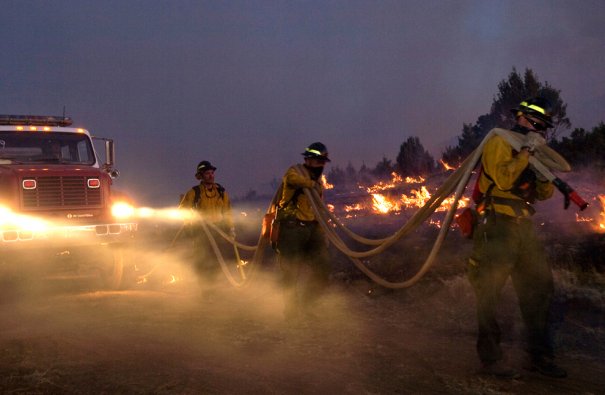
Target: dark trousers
304	262
504	247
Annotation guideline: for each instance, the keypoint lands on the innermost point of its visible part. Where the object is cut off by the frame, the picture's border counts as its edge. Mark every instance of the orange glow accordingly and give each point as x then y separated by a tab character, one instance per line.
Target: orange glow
601	226
418	198
353	207
383	205
414	180
325	183
396	180
446	166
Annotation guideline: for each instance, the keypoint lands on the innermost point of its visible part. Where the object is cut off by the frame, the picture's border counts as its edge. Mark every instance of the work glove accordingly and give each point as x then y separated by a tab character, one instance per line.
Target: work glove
532	141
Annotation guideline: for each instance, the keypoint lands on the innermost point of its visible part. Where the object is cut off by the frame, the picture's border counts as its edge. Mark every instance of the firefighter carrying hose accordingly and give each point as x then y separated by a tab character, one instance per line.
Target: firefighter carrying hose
301	245
506	245
211	201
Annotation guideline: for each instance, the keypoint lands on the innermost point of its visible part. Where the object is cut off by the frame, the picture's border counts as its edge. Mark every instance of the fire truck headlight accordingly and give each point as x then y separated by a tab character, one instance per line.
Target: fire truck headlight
5	215
122	210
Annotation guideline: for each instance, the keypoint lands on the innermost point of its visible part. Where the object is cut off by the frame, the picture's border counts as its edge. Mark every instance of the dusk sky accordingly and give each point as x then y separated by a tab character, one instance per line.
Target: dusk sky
248	84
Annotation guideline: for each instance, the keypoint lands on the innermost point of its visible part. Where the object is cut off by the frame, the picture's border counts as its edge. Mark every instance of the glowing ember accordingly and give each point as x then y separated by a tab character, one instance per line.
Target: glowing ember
330	207
353	207
580	218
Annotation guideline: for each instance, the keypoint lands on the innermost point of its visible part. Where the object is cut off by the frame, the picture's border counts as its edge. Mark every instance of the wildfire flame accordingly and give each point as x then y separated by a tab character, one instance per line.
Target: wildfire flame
597	223
445	165
396	180
601	225
325	183
383	205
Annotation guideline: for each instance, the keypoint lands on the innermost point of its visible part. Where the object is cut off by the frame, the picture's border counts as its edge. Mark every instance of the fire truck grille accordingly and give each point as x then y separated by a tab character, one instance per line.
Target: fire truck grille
71	191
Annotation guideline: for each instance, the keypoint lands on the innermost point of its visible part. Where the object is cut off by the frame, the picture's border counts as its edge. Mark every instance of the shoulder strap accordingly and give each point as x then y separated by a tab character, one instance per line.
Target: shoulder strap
221	190
197	197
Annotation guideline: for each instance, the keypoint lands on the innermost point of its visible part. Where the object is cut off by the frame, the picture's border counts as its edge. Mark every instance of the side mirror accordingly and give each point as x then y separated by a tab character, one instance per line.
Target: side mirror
110	154
109	157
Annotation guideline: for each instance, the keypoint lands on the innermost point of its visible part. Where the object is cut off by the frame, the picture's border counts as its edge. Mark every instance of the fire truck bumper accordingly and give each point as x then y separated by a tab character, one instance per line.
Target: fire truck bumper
80	235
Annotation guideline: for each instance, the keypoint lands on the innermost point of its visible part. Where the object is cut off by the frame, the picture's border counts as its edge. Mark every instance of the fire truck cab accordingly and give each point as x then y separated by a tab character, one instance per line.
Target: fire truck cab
56	198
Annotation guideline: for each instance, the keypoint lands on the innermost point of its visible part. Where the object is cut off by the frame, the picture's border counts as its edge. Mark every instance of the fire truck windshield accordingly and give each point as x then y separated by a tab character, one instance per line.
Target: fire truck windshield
37	147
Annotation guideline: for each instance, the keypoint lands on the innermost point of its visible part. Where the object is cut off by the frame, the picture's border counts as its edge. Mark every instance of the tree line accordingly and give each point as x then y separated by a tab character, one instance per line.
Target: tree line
580	148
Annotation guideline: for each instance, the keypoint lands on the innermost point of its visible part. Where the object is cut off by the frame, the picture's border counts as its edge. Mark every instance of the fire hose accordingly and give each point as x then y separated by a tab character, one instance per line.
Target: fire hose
543	160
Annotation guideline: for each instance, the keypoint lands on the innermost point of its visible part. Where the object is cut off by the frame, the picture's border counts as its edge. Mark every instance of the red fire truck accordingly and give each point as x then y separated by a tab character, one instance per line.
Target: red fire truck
57	205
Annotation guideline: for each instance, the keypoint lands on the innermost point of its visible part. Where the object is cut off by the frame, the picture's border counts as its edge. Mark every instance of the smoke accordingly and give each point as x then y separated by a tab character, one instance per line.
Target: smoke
165	334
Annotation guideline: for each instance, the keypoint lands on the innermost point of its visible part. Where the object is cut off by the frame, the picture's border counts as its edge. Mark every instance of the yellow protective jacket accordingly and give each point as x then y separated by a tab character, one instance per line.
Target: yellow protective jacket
214	206
300	207
504	167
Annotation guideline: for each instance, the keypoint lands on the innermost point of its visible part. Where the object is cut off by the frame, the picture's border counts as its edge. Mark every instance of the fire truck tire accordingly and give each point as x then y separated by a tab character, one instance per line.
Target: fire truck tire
113	273
119	270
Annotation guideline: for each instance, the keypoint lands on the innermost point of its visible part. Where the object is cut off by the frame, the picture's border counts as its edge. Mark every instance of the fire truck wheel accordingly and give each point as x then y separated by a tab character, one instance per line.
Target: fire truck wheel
114	272
119	268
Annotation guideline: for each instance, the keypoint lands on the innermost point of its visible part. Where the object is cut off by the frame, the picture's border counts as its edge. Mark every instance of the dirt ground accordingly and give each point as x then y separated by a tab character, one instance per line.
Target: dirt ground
65	334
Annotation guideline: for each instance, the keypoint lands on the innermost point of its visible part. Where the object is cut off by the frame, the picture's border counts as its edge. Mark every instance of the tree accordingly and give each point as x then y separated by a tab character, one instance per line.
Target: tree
336	176
413	159
511	92
583	148
351	175
383	169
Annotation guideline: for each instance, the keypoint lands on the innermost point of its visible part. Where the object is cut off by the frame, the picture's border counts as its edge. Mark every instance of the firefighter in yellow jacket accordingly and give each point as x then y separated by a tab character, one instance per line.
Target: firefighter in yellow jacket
301	244
506	245
212	202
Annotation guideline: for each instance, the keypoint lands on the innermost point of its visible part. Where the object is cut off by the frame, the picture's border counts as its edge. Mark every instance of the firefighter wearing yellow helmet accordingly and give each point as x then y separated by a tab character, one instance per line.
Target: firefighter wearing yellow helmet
301	245
505	245
211	201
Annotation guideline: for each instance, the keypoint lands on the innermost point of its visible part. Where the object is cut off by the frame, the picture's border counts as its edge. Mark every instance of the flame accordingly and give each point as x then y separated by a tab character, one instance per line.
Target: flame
414	180
353	207
382	204
580	218
597	223
601	225
325	183
446	166
396	180
416	199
